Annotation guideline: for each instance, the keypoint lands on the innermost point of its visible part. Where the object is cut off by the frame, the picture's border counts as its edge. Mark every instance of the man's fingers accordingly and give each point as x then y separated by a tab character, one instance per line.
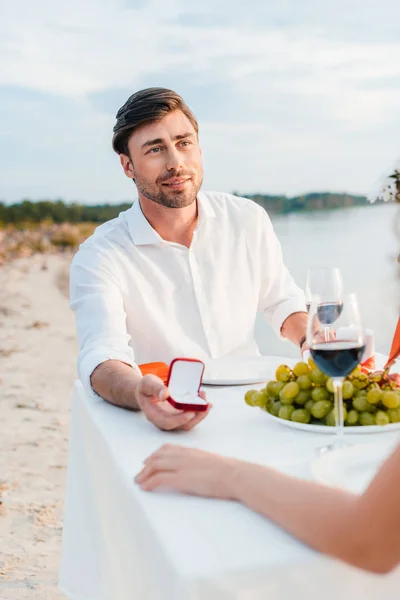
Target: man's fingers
165	420
197	419
151	385
152	389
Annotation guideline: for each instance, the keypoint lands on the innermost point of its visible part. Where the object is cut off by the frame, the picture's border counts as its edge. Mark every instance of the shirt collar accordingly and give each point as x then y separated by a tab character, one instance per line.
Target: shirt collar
142	232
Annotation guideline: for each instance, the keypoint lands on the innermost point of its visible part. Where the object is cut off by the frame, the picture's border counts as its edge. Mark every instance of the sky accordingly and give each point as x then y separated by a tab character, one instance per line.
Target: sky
291	96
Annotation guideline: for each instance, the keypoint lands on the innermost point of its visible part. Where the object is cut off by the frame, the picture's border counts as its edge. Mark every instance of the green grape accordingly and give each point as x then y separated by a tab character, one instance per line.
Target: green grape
329	385
301	368
258	399
330	419
367	419
289	392
374	394
318	377
381	418
352	417
283	373
319	393
308	405
363	381
267	399
275	407
304	382
375	377
248	397
348	390
321	408
311	363
301	415
390	399
394	415
285	412
302	397
361	404
360	394
277	387
357	371
271	388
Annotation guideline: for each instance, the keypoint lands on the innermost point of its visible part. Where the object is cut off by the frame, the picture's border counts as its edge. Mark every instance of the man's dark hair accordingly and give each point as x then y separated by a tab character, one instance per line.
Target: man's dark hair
146	106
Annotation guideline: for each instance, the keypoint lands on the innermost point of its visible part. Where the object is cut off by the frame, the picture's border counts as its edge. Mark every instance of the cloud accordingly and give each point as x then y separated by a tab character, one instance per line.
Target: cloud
290	96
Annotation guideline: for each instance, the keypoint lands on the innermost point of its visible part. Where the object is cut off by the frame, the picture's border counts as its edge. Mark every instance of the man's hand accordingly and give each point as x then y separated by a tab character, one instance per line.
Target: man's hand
151	396
123	386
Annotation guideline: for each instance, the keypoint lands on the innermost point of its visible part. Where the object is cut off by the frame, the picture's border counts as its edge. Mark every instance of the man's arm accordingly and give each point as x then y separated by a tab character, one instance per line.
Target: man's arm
117	383
97	301
106	362
294	328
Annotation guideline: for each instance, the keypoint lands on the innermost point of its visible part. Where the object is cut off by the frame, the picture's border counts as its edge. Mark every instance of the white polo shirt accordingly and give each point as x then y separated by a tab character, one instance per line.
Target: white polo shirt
138	298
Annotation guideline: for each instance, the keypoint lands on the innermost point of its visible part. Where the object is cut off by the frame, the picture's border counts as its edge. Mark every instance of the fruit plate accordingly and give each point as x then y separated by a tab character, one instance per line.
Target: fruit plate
353	467
243	370
324	429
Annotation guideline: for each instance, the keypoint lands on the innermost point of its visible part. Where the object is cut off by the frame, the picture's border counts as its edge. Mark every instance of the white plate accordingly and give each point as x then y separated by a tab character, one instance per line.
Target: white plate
331	430
352	467
243	370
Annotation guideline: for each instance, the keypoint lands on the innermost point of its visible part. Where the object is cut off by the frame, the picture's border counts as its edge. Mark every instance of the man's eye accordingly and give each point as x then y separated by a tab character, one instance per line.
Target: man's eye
154	150
185	143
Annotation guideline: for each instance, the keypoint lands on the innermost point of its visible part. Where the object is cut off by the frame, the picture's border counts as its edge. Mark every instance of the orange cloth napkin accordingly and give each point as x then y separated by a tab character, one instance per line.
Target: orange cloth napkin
368	365
395	349
155	368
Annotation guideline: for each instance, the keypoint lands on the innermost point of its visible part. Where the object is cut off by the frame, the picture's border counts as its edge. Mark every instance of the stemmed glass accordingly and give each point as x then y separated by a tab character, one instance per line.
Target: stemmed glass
338	355
327	283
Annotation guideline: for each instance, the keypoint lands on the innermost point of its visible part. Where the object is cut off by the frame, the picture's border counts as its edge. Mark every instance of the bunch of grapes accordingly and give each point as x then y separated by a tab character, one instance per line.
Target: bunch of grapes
305	394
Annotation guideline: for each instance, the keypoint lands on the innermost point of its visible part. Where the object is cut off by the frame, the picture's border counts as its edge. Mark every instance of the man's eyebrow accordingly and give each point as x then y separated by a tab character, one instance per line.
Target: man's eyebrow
180	136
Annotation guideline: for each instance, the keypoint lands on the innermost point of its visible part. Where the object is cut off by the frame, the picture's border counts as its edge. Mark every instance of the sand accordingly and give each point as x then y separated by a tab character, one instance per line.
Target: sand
37	369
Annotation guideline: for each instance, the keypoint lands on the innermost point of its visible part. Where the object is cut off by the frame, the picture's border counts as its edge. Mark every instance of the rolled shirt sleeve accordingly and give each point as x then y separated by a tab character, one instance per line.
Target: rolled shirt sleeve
280	296
97	301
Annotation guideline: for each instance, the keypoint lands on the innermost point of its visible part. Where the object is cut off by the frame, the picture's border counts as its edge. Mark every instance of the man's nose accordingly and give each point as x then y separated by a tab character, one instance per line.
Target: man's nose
174	160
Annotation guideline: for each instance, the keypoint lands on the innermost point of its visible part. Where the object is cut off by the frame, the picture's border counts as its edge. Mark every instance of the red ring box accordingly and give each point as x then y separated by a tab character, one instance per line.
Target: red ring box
184	381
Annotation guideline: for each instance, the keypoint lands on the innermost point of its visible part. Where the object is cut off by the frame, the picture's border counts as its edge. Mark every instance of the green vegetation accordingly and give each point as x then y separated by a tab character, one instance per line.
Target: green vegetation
314	201
58	211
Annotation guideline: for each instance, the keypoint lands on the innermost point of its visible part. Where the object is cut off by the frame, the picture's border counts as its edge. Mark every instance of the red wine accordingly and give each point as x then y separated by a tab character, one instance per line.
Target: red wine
328	312
337	359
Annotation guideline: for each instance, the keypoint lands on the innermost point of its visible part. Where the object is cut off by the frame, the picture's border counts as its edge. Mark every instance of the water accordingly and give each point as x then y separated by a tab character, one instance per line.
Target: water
362	243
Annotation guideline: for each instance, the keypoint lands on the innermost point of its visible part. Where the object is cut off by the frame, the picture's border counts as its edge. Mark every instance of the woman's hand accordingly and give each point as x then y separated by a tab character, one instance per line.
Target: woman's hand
174	468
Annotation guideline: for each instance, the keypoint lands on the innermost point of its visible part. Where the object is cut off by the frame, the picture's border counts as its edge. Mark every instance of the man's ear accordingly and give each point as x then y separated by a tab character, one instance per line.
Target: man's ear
127	166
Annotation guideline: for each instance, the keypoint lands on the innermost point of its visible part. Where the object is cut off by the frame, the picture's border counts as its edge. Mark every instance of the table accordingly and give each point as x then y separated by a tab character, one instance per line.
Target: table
120	543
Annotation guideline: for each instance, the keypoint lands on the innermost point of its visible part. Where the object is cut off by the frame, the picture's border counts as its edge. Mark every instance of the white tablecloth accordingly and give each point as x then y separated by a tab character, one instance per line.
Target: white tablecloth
120	543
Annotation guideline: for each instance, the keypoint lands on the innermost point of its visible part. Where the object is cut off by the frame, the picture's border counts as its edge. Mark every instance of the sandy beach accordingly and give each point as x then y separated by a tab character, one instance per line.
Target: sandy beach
37	369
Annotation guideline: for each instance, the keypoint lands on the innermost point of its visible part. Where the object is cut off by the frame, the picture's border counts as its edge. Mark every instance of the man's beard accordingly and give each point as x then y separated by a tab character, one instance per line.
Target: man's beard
169	197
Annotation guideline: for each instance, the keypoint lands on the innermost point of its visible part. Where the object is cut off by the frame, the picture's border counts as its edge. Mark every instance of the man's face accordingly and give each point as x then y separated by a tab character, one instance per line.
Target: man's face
166	161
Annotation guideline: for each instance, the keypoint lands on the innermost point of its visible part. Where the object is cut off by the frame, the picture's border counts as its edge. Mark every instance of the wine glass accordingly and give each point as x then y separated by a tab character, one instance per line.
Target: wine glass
327	283
338	355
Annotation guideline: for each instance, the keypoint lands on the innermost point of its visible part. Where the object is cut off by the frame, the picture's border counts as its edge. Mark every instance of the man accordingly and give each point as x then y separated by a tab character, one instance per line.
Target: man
182	273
